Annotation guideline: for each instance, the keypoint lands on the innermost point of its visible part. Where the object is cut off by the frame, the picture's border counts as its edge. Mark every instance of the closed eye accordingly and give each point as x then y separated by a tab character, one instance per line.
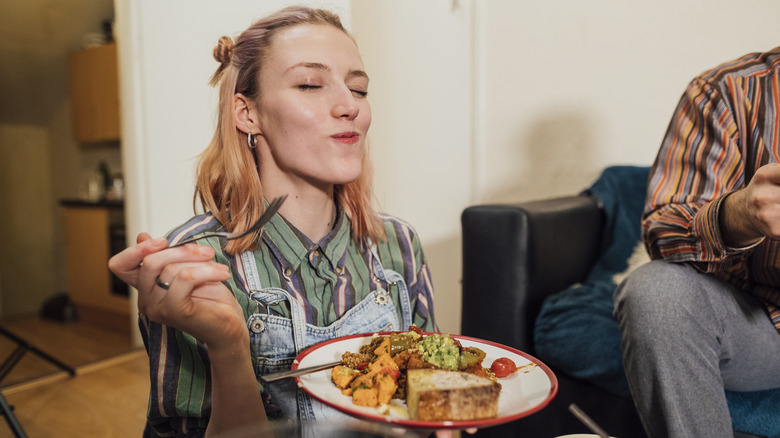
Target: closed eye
308	87
360	93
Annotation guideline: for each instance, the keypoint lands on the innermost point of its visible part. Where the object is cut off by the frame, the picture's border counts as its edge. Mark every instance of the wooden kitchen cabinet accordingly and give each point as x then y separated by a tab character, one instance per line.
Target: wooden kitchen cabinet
94	232
94	94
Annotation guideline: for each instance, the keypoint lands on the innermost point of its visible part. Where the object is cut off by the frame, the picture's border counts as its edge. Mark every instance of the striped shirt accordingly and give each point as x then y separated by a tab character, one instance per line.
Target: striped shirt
328	277
726	125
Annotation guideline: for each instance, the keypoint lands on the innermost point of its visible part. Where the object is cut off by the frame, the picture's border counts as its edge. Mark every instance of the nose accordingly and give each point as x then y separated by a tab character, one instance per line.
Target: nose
346	105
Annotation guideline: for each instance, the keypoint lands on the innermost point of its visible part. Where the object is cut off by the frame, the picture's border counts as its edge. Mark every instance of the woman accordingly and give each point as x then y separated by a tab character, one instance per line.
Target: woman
293	117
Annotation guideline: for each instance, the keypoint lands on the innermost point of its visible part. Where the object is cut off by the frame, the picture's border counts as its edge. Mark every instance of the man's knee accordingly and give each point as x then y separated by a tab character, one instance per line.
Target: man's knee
655	292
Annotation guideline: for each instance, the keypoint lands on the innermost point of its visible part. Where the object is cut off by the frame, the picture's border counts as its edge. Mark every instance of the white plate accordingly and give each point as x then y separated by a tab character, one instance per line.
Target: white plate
523	392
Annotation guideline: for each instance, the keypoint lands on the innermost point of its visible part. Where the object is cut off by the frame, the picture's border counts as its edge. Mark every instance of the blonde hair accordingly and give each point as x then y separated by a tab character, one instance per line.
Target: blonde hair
228	180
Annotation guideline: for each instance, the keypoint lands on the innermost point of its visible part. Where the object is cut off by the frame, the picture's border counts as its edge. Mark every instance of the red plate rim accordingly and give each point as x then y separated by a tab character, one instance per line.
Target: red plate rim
434	424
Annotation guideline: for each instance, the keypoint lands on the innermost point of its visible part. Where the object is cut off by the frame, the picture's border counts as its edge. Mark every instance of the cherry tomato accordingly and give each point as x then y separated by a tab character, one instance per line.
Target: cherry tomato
503	366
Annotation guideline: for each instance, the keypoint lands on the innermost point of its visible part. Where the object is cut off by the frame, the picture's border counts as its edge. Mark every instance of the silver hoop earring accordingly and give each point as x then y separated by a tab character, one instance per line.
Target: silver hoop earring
251	140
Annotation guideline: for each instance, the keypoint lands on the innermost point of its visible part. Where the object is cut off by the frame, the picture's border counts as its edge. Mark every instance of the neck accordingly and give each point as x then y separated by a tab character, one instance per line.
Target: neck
313	212
309	206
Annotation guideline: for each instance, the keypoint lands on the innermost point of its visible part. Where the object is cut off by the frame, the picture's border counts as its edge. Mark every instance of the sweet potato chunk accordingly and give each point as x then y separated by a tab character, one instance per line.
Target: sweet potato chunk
362	381
383	348
385	388
365	397
342	376
378	385
384	361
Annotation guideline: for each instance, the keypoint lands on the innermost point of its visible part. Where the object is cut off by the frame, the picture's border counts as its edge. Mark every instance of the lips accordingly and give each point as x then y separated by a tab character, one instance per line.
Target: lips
346	137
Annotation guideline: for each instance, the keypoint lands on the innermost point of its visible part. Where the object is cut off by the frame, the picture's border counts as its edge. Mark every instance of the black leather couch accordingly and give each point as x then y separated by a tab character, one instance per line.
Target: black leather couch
513	257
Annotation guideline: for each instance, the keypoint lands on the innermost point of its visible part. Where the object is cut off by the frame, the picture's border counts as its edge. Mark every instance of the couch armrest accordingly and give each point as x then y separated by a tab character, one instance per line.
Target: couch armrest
515	255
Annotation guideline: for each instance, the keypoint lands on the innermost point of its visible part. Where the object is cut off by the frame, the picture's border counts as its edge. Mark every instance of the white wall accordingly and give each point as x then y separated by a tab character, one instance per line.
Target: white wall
570	86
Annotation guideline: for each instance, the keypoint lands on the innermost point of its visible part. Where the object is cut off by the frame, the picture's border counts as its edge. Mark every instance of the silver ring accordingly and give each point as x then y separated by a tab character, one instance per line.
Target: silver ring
163	284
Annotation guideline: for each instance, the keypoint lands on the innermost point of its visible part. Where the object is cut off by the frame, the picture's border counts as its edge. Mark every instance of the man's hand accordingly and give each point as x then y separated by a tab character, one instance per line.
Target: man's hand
752	213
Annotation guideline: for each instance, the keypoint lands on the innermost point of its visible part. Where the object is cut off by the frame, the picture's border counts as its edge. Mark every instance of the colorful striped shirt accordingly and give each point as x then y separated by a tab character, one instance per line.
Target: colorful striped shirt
329	277
726	125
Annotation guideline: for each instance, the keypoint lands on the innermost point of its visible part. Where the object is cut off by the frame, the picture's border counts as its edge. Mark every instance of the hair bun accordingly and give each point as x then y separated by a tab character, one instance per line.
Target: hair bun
223	52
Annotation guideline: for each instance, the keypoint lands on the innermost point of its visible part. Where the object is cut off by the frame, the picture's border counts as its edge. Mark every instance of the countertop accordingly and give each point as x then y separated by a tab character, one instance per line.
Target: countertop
83	203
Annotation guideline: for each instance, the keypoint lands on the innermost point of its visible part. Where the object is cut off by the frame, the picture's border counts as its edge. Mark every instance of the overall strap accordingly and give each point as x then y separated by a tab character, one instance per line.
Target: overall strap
392	278
271	295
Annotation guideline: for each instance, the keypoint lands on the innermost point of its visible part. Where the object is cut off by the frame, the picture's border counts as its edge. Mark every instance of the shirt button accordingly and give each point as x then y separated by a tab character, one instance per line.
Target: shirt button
339	270
287	272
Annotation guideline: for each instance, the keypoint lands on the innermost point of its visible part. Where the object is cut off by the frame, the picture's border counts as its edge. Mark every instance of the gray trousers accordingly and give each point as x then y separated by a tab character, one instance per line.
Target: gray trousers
685	337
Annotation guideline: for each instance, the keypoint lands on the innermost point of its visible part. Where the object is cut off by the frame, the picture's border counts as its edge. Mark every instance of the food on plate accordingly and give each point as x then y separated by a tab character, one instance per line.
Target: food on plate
440	350
504	366
436	395
380	371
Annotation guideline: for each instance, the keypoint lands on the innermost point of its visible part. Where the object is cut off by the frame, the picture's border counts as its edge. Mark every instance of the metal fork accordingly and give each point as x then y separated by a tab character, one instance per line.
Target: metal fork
299	372
271	210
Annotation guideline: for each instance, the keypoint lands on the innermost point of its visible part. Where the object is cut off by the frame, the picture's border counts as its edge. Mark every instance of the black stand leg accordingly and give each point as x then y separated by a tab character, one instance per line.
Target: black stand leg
13	423
21	349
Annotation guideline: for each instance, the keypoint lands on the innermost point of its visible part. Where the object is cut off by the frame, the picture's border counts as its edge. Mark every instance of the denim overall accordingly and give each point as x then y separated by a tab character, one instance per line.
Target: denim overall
277	340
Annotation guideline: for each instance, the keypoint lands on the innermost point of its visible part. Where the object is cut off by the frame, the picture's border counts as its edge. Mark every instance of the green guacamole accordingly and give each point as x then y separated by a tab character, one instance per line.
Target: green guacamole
440	350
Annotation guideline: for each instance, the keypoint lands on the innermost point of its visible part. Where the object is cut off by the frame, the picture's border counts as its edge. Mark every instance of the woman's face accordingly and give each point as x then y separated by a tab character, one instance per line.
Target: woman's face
313	111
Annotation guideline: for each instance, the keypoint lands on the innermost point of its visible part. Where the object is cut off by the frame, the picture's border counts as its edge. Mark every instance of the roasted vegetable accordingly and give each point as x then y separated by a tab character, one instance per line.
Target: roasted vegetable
401	342
342	376
469	357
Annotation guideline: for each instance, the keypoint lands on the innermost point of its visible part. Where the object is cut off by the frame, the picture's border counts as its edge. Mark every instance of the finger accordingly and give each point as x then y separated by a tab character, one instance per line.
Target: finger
180	254
125	264
445	433
163	284
179	298
154	263
471	430
767	177
771	171
142	237
152	293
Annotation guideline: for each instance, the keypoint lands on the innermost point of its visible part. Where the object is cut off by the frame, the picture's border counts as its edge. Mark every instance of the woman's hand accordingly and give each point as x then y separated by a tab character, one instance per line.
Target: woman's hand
194	301
446	433
182	287
127	264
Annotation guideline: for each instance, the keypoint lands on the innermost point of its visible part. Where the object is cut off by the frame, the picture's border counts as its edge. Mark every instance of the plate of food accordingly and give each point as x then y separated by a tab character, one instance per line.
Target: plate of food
427	380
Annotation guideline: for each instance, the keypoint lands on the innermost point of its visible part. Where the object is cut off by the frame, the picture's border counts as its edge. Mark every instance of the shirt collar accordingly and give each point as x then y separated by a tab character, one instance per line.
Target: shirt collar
293	246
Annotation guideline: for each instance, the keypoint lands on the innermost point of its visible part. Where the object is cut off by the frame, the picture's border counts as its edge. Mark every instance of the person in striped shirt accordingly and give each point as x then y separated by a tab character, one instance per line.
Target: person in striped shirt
703	315
293	117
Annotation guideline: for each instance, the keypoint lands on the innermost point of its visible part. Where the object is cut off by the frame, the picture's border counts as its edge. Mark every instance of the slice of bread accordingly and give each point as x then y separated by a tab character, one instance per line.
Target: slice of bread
437	395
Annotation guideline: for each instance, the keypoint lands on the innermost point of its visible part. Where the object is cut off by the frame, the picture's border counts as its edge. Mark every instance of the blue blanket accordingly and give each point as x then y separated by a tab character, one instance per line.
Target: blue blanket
577	332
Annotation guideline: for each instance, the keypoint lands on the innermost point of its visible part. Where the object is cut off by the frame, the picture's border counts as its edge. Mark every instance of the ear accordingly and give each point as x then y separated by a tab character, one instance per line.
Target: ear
244	114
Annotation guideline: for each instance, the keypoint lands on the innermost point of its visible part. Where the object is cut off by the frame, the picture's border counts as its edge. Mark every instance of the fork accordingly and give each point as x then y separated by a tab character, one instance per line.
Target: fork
271	210
268	378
